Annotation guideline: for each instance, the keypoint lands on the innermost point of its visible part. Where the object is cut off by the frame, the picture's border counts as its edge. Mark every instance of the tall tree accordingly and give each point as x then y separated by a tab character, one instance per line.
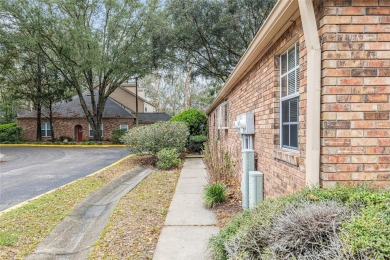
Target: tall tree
207	36
96	45
213	35
30	75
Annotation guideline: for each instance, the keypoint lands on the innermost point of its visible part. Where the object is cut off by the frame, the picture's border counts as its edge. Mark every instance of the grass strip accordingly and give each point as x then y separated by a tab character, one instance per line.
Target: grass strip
22	229
136	223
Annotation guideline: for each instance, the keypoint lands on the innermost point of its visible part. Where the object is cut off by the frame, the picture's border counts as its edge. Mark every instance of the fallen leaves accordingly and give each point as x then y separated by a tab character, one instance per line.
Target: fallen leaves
137	221
232	206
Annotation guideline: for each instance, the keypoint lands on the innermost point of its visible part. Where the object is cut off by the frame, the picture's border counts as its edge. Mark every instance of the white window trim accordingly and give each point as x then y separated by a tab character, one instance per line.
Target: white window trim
127	127
288	97
45	128
90	129
221	117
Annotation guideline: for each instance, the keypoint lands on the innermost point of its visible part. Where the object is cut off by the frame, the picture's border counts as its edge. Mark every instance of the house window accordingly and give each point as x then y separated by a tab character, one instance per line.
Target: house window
91	130
223	116
124	127
289	101
45	130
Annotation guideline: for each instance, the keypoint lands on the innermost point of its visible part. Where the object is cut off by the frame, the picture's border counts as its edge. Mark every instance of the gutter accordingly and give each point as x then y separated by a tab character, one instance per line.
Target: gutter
313	102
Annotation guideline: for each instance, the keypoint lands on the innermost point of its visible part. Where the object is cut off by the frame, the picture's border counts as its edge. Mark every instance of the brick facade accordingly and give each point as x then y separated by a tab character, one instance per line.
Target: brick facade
66	127
355	37
355	89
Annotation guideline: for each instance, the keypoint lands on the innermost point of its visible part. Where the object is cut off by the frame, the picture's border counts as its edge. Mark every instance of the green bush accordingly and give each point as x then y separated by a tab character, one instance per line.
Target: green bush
337	223
369	230
214	194
196	143
155	137
167	159
195	119
10	133
117	135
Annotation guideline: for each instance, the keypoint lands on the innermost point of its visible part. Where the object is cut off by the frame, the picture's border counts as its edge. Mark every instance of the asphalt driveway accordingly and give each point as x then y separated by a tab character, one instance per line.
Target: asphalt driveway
26	172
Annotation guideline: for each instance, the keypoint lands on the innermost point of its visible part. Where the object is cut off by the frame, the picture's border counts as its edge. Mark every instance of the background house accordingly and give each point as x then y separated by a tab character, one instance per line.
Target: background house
316	76
69	119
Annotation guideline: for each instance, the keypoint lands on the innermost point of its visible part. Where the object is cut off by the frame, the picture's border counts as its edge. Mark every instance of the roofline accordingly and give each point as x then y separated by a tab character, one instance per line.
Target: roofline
123	106
275	24
132	93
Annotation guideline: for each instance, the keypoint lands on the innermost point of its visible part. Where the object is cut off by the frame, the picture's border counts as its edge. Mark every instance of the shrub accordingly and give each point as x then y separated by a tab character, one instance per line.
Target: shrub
218	162
10	133
155	137
117	135
195	119
337	223
308	227
369	230
253	235
196	143
167	159
214	194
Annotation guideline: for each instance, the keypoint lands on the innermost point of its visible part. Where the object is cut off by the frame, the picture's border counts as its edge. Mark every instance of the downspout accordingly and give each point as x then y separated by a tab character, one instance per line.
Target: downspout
313	102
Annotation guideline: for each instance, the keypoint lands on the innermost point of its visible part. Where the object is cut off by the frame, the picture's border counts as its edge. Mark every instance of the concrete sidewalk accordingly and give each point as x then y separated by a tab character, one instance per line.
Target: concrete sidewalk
189	224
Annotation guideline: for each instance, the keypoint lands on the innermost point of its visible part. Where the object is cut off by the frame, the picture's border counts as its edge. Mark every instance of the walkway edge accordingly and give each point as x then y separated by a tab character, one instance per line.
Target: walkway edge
53	190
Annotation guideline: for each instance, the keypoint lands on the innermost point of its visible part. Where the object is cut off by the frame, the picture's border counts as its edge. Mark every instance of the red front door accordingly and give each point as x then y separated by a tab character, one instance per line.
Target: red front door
79	133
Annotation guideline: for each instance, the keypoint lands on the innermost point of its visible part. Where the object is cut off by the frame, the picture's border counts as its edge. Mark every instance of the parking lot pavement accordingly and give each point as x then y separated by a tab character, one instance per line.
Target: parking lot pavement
26	172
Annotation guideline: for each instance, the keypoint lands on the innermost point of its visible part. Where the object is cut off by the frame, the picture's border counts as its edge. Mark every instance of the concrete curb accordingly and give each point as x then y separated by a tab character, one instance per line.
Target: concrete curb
65	146
46	193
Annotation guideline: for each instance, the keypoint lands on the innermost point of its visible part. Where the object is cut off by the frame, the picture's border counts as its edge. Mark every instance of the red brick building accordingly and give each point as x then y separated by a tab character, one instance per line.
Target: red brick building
317	78
69	119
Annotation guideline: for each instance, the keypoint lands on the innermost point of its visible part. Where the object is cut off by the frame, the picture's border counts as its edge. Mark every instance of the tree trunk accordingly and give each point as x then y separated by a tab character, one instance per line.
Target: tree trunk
39	121
158	94
51	121
38	83
187	102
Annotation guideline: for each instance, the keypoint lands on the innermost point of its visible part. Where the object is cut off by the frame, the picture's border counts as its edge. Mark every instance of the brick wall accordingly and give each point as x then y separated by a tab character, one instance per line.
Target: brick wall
66	127
259	92
355	38
355	134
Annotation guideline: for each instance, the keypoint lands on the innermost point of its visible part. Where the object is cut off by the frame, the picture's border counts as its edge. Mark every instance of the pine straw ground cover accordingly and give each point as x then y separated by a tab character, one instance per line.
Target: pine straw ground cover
23	228
136	223
232	206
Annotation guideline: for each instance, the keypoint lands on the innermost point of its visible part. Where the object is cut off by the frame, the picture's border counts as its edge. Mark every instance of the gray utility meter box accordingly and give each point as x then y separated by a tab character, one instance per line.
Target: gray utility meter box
245	123
256	182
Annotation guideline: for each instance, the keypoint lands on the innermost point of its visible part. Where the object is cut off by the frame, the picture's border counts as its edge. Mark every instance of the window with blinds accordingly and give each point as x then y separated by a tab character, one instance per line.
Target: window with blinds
289	101
91	132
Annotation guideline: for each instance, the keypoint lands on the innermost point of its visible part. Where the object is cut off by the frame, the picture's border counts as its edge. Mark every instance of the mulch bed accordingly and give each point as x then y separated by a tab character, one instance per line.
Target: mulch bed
231	207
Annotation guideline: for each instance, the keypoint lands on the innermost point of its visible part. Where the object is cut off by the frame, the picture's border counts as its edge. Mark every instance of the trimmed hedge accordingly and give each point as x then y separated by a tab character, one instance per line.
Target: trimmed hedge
195	119
10	133
196	143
